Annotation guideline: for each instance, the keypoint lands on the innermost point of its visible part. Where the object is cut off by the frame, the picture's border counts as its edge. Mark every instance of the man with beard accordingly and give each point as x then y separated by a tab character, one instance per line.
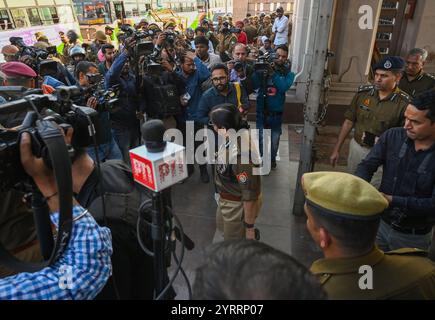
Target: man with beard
415	80
374	109
408	182
222	92
194	73
109	52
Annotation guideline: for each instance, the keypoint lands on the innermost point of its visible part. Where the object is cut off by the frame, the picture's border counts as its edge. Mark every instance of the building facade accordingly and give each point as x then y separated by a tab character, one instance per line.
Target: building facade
254	7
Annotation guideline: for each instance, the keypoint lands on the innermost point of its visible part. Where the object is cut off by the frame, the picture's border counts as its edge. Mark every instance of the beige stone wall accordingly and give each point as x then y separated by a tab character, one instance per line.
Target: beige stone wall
240	8
352	45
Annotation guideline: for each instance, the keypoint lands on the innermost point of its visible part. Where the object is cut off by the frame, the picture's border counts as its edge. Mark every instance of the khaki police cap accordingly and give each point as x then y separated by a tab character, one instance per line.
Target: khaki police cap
343	194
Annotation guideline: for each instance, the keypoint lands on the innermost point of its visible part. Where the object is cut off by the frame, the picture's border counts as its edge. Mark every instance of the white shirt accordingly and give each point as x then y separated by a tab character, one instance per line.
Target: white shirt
280	28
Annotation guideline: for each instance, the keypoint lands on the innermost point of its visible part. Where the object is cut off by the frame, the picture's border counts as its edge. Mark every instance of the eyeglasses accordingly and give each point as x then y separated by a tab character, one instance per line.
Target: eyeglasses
220	79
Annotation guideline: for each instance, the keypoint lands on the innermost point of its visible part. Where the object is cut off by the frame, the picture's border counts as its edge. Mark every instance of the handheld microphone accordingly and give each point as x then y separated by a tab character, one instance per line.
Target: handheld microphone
158	164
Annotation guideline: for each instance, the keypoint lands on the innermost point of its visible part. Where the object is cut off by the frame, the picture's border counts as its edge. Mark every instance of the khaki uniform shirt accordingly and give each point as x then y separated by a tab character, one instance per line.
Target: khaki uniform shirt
234	177
401	274
371	114
265	31
420	84
227	43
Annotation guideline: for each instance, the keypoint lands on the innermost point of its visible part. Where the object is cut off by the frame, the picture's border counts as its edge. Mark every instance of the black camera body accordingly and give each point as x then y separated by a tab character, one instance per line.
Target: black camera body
107	99
234	30
265	62
58	108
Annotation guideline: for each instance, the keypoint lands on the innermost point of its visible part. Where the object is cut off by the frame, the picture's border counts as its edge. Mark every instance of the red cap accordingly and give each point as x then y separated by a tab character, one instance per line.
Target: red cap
17	69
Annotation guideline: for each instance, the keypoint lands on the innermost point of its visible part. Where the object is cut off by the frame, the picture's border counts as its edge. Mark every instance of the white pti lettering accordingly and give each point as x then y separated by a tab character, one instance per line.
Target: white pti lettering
366	281
366	20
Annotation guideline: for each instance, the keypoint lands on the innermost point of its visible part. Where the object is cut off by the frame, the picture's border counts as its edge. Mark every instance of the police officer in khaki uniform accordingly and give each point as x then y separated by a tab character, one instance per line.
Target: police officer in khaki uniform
374	109
415	81
237	182
343	214
227	41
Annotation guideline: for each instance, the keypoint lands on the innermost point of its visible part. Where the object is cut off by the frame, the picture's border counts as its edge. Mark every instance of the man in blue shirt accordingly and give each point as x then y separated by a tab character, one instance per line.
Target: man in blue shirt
83	268
408	181
271	99
194	73
125	124
222	92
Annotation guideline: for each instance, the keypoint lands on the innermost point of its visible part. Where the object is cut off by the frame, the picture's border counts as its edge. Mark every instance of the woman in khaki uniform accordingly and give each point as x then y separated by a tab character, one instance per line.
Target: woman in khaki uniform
237	181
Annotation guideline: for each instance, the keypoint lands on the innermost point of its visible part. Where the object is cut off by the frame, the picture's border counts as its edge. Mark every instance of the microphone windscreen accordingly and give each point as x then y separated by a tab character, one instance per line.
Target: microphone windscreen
152	134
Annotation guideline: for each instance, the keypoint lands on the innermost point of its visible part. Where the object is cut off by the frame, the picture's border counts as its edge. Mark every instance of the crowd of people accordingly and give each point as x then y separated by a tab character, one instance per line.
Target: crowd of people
206	77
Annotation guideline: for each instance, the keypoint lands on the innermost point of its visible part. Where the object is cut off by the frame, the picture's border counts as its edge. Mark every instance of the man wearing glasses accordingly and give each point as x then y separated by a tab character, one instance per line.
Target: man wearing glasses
222	92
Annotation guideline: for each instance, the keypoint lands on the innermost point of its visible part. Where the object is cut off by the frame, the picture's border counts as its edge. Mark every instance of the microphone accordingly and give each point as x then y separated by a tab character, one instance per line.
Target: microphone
152	134
158	164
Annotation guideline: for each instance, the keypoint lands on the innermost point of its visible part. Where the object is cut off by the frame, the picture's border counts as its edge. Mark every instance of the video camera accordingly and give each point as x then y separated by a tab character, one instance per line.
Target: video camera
39	57
265	62
107	99
57	107
143	47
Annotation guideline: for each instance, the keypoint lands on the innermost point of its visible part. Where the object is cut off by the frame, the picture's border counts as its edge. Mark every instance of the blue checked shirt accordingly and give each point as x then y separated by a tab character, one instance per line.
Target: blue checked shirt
80	273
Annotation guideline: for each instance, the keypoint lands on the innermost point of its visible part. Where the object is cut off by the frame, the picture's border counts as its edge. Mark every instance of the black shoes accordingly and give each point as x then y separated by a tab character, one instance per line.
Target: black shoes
204	174
273	165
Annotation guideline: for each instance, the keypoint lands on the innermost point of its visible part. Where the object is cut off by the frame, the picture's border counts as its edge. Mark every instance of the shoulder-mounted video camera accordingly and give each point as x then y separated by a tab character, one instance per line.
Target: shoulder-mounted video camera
107	99
33	112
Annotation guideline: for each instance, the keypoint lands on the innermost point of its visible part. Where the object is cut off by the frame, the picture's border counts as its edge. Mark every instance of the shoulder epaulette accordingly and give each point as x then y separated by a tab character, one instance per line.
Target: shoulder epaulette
404	95
366	87
408	251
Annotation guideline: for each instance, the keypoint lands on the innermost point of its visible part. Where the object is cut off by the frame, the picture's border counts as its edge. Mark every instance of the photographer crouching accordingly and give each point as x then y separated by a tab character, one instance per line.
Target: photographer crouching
272	79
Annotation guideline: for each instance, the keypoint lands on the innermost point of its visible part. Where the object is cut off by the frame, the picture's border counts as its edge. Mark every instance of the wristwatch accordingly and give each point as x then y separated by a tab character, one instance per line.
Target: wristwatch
248	225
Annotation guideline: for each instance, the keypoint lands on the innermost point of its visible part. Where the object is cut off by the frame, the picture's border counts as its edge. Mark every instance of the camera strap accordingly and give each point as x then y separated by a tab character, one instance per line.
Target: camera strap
61	163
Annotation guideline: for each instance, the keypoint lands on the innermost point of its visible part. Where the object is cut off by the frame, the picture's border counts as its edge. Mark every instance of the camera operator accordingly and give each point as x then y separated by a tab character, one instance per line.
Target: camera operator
10	53
241	35
194	73
108	149
270	110
227	41
164	91
125	123
86	258
240	69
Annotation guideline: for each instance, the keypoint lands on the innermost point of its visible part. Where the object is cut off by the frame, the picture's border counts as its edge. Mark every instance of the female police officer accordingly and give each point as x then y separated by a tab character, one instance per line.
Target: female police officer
236	181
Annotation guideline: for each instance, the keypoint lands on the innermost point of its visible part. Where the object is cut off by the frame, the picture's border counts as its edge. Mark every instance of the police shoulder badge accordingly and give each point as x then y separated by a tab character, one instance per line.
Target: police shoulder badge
388	64
242	178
